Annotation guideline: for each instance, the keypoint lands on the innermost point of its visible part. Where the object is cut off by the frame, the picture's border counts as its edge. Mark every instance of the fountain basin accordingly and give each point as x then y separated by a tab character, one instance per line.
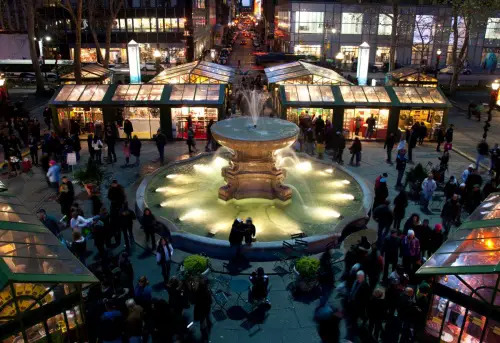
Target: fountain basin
187	203
252	172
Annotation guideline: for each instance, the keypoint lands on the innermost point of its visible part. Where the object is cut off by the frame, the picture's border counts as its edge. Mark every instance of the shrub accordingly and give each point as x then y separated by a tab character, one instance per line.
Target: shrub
307	267
416	174
195	264
92	173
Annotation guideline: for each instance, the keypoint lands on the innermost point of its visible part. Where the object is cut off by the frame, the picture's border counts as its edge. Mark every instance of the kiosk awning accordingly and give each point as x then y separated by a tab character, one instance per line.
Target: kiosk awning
287	73
189	72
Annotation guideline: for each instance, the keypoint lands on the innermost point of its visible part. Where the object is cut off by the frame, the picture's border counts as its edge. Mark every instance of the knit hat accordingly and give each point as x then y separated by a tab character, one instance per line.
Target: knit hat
52	162
438	227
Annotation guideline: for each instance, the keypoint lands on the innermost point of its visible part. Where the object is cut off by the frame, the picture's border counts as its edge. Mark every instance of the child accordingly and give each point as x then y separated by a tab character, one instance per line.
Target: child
126	152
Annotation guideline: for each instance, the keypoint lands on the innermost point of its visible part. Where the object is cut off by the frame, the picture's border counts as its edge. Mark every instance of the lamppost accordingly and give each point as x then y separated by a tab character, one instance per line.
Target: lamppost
326	44
363	59
339	57
493	97
438	58
40	43
157	56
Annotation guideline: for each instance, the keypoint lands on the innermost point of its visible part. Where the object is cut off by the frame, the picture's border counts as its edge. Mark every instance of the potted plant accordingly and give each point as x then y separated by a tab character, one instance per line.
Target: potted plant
90	176
306	269
196	265
414	178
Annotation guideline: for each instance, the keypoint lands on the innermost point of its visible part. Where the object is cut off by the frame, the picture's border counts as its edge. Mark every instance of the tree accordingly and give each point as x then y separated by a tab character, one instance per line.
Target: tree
468	16
76	15
103	14
394	34
29	9
423	38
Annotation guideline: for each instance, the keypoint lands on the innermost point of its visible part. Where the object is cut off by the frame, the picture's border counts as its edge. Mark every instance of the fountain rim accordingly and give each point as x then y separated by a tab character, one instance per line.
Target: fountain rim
272	139
258	251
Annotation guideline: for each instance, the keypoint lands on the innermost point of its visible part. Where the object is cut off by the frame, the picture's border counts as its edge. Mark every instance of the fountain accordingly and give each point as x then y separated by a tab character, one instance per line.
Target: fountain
252	172
255	174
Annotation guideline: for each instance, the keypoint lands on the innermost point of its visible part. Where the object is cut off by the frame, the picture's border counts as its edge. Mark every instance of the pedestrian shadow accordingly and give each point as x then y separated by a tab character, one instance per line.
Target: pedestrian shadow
236	313
301	296
158	287
236	266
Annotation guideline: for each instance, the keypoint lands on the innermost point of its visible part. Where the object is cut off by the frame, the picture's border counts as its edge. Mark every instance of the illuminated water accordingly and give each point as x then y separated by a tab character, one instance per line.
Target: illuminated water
188	194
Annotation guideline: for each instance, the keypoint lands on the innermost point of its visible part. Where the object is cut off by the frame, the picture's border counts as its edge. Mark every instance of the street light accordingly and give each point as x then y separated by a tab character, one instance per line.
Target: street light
157	56
334	30
2	80
48	38
495	85
340	57
438	58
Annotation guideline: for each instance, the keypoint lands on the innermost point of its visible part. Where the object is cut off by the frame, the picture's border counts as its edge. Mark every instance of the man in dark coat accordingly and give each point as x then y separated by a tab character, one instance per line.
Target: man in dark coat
117	197
389	145
341	148
110	139
382	214
449	134
161	140
390	250
412	143
236	236
357	301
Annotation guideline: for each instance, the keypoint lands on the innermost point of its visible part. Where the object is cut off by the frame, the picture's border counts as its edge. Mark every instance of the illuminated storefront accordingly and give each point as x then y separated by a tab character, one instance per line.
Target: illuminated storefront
89	55
349	107
465	303
407	77
41	281
303	73
148	107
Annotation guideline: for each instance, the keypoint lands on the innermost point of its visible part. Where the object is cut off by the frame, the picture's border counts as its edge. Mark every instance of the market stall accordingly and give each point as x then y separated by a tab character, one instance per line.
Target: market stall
352	108
410	77
85	109
91	74
41	281
196	72
465	304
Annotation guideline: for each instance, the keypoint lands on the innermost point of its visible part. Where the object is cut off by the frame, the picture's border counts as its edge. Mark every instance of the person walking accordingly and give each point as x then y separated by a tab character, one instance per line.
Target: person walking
97	147
389	145
422	133
79	246
126	152
161	140
309	140
437	238
210	138
440	135
341	148
449	134
164	253
135	149
54	174
49	222
411	223
357	125
110	139
126	220
202	307
47	117
134	322
400	167
90	139
428	188
370	122
381	192
191	142
450	187
116	197
357	300
377	313
250	232
148	225
236	236
423	233
33	146
128	128
410	251
390	251
355	150
412	143
450	214
400	205
483	151
77	147
382	214
326	277
111	324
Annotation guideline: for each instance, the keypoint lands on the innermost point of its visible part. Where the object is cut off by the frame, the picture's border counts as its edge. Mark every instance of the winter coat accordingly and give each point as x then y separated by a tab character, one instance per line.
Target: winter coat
135	147
400	205
410	247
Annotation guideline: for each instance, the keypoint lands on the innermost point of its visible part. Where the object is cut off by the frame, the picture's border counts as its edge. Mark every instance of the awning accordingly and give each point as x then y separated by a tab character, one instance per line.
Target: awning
195	72
90	72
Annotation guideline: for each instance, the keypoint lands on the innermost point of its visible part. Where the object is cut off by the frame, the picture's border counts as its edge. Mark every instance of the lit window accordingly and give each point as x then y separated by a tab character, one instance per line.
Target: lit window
284	20
424	29
493	29
310	50
384	24
352	23
309	22
382	54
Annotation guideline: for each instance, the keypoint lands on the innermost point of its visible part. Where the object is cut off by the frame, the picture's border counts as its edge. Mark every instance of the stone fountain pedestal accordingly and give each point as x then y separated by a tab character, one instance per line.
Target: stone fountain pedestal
252	172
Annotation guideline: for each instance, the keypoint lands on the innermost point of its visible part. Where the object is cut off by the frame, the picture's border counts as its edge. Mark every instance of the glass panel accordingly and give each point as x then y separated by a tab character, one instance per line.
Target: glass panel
24	265
436	96
425	95
453	322
347	94
291	93
32	250
474	325
326	93
412	93
19	218
303	93
132	92
402	96
64	93
492	334
201	92
463	259
177	91
28	237
120	93
144	92
100	92
156	93
57	327
382	94
189	92
359	95
435	316
76	92
213	92
5	297
315	93
370	94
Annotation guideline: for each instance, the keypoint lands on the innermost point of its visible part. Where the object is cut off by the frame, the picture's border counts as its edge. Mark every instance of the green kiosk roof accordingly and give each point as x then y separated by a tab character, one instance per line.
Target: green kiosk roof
29	252
138	95
472	248
325	96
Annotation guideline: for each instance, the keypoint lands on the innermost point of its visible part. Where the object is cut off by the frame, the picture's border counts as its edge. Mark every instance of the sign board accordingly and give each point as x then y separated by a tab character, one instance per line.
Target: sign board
71	159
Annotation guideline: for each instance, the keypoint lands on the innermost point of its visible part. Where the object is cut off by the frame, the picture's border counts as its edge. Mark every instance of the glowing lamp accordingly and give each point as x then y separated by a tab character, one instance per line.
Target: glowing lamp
439	52
363	59
157	53
134	62
495	85
340	56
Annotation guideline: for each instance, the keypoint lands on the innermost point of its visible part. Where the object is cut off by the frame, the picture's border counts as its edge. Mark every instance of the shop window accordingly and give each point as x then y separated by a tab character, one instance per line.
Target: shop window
357	117
294	115
493	29
352	23
145	121
199	116
492	332
453	321
309	50
382	54
284	20
431	118
82	121
384	25
435	316
309	22
350	53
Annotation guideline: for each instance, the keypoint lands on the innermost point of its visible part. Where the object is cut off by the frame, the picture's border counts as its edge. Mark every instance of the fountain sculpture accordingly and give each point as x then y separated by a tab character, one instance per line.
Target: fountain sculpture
252	172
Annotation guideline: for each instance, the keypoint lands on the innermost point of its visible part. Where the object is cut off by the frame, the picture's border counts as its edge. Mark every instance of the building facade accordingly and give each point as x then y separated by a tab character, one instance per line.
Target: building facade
323	29
180	30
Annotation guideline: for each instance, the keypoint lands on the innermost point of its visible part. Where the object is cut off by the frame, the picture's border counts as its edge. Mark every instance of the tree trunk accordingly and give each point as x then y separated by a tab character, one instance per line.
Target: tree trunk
8	15
100	58
16	13
107	47
394	35
30	23
78	42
